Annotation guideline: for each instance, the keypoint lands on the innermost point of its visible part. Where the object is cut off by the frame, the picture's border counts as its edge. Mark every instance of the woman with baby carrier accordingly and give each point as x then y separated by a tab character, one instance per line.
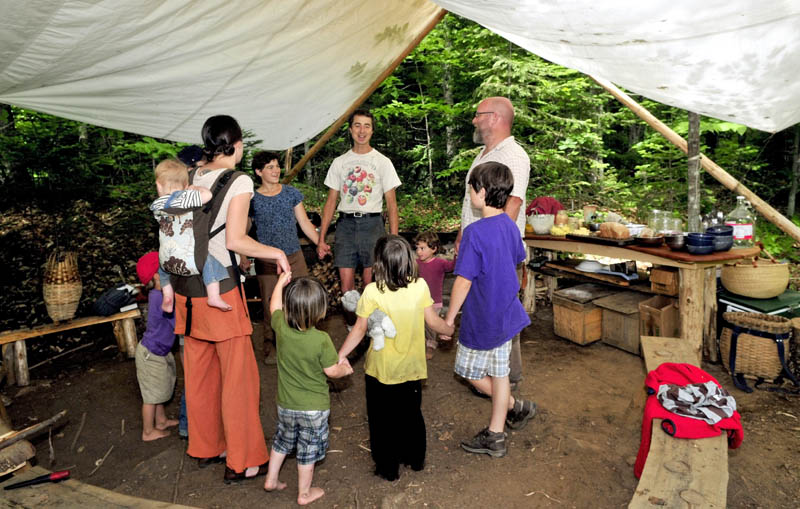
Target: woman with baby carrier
222	381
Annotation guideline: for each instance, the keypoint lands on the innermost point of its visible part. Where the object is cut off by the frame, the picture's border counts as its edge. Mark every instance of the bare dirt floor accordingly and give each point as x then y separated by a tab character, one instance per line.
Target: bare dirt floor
577	452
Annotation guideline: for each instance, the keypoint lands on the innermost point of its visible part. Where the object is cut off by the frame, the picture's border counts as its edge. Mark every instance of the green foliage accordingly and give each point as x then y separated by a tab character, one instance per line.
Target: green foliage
777	243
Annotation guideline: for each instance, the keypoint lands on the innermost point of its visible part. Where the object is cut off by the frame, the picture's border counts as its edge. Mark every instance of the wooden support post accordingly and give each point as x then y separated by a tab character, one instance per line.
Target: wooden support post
129	334
710	315
529	291
21	363
119	335
8	363
690	297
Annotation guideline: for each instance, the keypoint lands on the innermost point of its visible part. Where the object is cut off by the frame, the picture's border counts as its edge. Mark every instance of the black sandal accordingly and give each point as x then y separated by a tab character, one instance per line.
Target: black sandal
231	476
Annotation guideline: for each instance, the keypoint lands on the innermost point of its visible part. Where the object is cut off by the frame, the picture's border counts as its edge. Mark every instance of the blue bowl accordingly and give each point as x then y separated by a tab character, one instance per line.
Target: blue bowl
700	250
699	239
720	230
723	242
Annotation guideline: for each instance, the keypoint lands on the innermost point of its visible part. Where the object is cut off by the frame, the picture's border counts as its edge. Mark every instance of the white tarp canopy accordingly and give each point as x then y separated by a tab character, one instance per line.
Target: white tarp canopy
287	70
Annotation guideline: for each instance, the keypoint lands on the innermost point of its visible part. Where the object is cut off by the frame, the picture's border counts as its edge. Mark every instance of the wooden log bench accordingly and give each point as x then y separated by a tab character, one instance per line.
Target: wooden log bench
15	353
680	473
71	493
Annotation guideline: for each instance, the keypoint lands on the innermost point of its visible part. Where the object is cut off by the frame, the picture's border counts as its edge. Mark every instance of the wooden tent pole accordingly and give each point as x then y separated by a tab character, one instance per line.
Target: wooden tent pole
724	178
363	97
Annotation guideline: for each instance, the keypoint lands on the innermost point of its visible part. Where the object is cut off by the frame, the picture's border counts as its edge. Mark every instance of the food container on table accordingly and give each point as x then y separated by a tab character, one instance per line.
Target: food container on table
700	243
589	213
723	237
636	229
672	226
649	241
541	223
561	218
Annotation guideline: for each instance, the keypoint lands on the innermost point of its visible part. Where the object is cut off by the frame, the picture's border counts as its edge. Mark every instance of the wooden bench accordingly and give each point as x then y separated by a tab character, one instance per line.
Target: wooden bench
680	473
15	353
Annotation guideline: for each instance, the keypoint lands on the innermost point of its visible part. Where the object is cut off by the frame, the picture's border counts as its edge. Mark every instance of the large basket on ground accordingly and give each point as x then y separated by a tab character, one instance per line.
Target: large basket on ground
756	347
62	286
760	278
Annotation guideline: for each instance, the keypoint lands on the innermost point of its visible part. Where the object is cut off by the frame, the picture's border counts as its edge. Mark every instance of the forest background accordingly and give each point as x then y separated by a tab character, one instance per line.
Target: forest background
81	187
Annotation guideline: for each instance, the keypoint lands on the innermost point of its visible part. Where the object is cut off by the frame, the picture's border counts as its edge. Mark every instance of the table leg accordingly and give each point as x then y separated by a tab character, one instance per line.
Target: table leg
21	363
8	363
691	297
710	315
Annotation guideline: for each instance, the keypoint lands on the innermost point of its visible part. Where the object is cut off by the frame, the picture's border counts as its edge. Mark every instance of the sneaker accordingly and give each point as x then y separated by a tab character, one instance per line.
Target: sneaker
522	412
487	442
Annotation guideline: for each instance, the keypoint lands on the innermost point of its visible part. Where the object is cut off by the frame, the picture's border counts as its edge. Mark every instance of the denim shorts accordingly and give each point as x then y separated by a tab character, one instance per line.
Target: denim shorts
476	364
213	271
305	429
355	240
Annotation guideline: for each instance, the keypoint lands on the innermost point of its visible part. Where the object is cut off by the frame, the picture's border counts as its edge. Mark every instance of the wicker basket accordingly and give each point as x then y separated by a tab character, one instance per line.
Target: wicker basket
756	356
760	279
62	286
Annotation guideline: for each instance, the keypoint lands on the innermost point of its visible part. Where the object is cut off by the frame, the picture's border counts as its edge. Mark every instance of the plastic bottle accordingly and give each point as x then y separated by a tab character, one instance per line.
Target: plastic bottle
743	221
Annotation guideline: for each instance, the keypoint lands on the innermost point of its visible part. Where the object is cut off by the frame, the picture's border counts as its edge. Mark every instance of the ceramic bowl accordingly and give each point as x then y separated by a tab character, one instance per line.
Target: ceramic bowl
722	242
720	230
700	250
541	223
700	239
635	229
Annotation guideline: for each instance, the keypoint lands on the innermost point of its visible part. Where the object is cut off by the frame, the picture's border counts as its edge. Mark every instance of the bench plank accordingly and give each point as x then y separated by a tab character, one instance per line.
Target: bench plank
41	330
683	472
72	493
656	351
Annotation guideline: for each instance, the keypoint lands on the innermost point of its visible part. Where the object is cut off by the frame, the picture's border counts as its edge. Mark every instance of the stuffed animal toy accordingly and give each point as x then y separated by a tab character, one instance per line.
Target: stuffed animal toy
379	325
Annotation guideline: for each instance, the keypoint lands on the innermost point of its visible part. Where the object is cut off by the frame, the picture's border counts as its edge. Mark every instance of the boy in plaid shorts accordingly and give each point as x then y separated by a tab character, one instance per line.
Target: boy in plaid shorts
305	356
487	286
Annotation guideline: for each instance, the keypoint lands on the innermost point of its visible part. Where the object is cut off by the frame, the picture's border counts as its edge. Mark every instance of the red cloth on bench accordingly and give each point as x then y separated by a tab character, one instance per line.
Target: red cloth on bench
685	427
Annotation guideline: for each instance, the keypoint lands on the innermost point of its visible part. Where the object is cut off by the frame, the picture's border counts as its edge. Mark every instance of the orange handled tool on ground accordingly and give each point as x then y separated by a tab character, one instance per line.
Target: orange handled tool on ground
52	477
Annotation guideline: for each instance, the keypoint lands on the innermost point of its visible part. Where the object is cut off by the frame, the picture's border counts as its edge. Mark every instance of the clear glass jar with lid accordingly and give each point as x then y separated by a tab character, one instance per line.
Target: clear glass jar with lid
743	220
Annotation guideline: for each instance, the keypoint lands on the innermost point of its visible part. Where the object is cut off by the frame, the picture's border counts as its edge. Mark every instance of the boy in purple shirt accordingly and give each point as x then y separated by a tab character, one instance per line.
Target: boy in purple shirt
155	365
487	287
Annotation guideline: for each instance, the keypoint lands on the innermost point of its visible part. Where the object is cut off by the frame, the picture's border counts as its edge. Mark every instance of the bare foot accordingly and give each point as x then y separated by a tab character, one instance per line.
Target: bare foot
154	435
166	424
217	302
270	485
313	494
429	353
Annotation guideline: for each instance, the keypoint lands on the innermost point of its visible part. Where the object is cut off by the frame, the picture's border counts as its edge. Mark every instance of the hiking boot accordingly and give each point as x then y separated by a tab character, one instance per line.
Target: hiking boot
487	442
523	411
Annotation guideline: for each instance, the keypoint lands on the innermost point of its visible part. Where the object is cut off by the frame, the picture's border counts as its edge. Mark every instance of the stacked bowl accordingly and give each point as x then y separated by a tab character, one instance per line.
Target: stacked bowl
723	237
700	243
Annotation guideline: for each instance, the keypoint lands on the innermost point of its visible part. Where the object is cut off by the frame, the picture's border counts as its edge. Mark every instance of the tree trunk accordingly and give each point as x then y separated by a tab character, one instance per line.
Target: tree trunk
447	92
790	206
429	176
310	180
693	177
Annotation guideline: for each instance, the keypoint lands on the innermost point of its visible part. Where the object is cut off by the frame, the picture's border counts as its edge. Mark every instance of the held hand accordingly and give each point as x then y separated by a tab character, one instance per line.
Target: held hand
245	264
283	264
348	369
323	249
284	278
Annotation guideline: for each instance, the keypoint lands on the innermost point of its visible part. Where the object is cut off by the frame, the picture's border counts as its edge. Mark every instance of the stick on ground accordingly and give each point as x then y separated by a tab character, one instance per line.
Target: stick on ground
80	428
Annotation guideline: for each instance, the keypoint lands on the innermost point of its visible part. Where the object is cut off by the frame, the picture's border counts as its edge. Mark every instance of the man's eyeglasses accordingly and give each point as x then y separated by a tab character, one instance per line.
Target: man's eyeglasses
479	113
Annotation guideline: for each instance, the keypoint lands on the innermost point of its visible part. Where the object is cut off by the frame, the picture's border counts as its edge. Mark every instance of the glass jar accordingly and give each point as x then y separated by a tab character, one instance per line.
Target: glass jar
562	217
743	221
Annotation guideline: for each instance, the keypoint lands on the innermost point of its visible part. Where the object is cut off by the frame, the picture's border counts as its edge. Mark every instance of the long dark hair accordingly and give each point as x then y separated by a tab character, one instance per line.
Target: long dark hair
220	133
394	265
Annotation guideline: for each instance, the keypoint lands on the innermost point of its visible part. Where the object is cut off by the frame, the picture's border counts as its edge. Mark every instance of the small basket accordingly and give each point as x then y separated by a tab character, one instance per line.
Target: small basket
62	286
760	279
756	356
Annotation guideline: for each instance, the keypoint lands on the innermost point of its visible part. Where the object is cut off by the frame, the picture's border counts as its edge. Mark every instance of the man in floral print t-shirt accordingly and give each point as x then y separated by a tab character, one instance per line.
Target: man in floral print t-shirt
359	180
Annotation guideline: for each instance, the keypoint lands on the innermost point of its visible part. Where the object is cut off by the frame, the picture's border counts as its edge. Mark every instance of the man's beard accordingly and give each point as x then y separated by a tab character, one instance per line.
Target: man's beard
477	137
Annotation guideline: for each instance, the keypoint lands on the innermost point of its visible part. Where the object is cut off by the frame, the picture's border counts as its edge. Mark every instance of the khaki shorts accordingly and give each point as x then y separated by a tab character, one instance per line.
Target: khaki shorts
156	375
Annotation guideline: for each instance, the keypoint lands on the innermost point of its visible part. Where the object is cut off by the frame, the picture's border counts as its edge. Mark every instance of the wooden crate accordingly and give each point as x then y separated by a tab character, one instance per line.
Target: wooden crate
659	316
621	320
664	280
575	317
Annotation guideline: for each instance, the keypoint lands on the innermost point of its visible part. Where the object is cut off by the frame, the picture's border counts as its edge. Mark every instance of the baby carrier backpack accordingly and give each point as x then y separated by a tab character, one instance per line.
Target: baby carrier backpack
203	219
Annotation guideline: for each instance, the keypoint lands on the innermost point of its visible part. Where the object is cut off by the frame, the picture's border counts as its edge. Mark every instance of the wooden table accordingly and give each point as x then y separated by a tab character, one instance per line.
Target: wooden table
698	287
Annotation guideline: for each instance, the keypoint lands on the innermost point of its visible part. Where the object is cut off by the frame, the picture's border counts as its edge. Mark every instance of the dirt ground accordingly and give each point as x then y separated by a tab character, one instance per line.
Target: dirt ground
577	452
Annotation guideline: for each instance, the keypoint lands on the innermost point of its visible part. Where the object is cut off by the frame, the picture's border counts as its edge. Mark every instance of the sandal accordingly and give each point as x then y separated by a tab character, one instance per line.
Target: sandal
231	476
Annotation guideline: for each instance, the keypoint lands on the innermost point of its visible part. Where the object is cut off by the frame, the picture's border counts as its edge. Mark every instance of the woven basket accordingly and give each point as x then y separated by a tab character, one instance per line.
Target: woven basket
755	356
760	279
62	286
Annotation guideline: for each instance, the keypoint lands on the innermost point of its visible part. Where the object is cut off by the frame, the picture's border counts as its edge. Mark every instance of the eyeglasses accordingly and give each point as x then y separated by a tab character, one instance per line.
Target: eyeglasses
479	113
